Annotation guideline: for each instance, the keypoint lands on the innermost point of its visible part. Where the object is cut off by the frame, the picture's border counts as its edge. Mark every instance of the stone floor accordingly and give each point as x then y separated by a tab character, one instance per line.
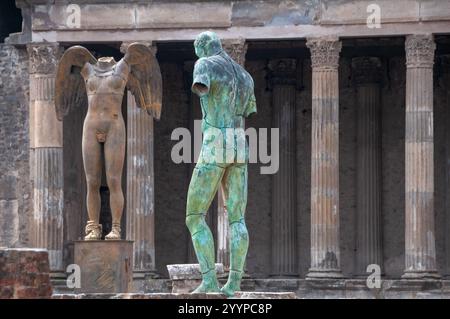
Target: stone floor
301	288
239	295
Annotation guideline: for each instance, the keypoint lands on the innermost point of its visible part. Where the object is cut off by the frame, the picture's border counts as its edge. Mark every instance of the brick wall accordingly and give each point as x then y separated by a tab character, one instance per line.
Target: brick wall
24	273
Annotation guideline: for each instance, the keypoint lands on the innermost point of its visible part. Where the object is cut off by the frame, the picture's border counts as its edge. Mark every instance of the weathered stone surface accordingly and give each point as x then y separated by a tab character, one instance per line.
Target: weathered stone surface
9	222
356	12
303	289
264	295
273	13
140	190
325	235
184	15
15	186
239	295
420	245
92	16
189	271
113	16
106	266
24	273
204	14
434	10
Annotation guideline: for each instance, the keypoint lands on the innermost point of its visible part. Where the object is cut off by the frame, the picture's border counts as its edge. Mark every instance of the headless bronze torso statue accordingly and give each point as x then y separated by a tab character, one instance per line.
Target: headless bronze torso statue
104	124
104	127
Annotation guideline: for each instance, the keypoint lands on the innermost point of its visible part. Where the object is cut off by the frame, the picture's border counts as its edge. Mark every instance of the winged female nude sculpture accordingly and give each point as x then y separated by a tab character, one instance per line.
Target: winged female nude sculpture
80	79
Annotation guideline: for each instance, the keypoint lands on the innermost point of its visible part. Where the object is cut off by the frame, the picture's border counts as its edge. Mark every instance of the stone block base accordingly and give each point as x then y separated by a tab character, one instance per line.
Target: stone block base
24	273
239	295
106	266
186	277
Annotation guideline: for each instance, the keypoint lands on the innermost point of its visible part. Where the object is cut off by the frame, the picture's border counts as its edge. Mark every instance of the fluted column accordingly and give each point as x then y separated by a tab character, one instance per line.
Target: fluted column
46	153
237	49
140	196
367	76
420	251
325	253
445	84
284	222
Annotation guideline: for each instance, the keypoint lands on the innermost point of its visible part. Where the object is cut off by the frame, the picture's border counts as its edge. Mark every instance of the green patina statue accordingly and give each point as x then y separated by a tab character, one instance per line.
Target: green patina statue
226	92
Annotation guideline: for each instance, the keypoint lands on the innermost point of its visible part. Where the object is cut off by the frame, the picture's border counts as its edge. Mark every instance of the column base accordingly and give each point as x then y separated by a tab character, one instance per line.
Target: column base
324	273
285	275
147	280
421	274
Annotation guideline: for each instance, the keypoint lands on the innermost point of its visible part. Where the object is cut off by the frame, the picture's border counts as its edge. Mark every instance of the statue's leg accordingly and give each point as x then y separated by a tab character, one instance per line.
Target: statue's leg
234	185
114	158
202	188
92	161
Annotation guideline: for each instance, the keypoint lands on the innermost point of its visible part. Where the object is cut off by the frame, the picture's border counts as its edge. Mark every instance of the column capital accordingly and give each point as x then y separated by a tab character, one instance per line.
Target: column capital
283	71
150	44
44	57
366	70
324	52
420	50
236	48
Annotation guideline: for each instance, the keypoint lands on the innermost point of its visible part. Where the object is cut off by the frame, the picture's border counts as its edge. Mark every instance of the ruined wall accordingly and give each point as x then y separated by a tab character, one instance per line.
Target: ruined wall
15	188
24	274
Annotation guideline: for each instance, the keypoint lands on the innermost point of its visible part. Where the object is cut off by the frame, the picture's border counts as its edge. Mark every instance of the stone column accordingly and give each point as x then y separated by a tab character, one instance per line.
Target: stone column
445	84
46	153
140	196
367	76
325	253
284	221
420	251
237	49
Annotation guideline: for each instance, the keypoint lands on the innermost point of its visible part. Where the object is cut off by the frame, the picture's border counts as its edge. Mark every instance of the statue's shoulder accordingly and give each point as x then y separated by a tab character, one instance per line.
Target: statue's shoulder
202	62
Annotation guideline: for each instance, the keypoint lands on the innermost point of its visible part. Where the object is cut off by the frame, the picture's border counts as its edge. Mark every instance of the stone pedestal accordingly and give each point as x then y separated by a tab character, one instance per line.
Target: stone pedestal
106	266
186	277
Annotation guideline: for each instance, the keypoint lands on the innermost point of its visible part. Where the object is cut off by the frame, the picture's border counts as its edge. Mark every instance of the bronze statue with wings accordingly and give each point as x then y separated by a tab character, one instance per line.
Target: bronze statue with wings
101	83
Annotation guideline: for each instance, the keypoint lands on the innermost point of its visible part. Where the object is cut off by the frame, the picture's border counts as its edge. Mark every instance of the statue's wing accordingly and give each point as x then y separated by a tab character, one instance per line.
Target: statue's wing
145	81
70	90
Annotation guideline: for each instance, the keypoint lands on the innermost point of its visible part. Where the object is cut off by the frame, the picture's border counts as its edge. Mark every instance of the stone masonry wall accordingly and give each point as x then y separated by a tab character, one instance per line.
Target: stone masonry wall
15	188
24	273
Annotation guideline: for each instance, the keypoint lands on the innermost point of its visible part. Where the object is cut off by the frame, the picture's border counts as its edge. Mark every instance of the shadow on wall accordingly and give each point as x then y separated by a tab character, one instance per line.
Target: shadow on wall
10	19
